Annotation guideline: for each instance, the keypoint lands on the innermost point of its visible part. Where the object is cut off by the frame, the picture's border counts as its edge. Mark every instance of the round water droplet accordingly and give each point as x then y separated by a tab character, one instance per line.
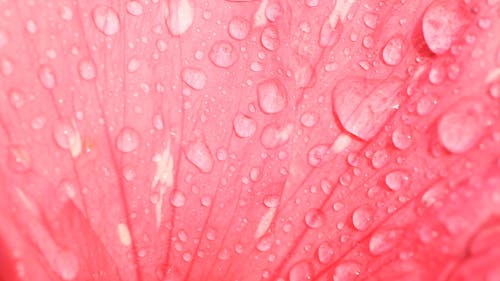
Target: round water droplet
392	54
460	129
194	78
370	20
65	134
380	159
437	74
426	104
199	155
272	96
271	201
325	253
133	65
16	98
401	138
244	126
396	180
383	241
66	265
347	271
265	243
301	271
309	119
270	38
274	136
238	28
314	218
316	155
106	20
177	198
362	218
87	69
273	11
18	159
47	77
223	54
127	140
135	8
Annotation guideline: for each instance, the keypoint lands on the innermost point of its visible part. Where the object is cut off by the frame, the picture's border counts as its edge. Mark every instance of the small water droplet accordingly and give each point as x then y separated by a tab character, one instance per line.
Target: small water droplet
347	271
383	241
177	198
265	243
199	155
18	159
16	98
6	66
274	135
314	218
270	38
325	253
329	35
273	11
370	20
224	255
66	265
272	96
133	65
396	180
135	8
392	54
238	28
309	119
223	54
31	26
87	69
106	20
311	3
494	90
362	218
301	271
271	201
206	201
179	16
368	42
316	155
380	158
127	140
401	138
437	74
426	104
244	126
194	77
47	77
65	134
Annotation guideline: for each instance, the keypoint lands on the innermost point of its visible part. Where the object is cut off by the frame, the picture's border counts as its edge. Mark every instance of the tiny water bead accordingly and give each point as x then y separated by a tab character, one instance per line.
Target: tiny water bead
127	140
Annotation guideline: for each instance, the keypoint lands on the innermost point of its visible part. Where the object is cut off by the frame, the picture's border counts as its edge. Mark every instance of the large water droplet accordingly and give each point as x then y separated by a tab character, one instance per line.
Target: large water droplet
401	138
301	271
363	109
238	28
383	241
87	70
222	54
265	243
177	198
47	77
127	140
329	35
244	126
179	17
380	158
347	271
362	218
460	129
392	54
370	20
317	154
325	253
274	11
396	180
274	135
272	96
65	134
106	20
441	24
194	78
270	38
199	155
135	8
66	265
314	218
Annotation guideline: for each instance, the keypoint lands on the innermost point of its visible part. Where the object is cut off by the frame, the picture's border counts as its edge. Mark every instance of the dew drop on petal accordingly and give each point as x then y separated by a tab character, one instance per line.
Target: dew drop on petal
270	38
396	180
244	126
135	8
347	271
329	35
370	20
309	119
179	17
362	218
380	158
106	20
325	253
87	69
402	138
265	243
392	52
177	198
65	134
383	241
127	140
272	96
314	218
16	98
271	201
47	77
273	11
301	271
238	28
18	159
199	155
223	54
194	78
316	154
274	135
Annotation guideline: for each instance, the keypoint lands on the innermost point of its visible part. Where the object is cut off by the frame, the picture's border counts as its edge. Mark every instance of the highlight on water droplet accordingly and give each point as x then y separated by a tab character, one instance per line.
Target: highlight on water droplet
106	20
200	156
127	140
272	96
244	126
362	218
223	54
238	28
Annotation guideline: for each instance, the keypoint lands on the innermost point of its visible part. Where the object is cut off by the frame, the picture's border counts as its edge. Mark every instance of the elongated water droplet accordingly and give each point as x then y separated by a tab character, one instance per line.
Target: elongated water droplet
87	70
238	28
127	140
106	20
393	51
270	38
347	271
329	35
194	78
244	126
66	135
396	180
362	218
47	77
200	156
274	11
314	218
301	271
383	241
6	66
179	16
325	253
272	96
223	54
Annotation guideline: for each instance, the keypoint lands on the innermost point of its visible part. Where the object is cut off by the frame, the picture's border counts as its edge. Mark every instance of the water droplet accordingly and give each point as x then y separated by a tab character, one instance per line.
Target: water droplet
6	66
66	265
177	198
31	26
274	135
301	271
135	8
133	65
437	74
206	200
4	38
127	140
494	90
265	243
65	134
383	241
314	218
370	20
273	11
271	201
199	155
380	158
442	23
244	126
270	38
16	98
396	180
87	69
224	255
106	20
325	253
18	159
238	28
368	42
316	155
194	78
362	218
329	35
272	96
392	54
47	77
311	3
363	110
426	104
309	119
66	13
179	17
38	122
347	271
223	54
401	138
460	129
